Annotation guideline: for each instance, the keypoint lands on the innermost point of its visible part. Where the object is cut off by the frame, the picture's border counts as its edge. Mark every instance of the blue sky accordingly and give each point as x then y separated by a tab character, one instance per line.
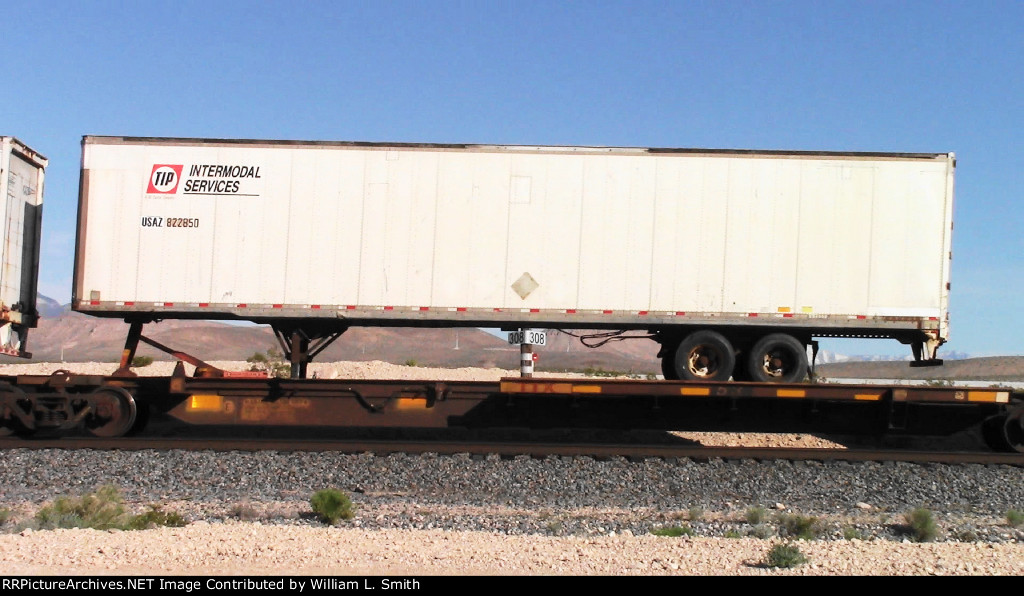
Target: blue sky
826	75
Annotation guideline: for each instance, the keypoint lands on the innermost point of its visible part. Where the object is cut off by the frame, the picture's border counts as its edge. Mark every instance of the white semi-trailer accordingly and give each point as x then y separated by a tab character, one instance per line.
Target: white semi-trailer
21	189
733	260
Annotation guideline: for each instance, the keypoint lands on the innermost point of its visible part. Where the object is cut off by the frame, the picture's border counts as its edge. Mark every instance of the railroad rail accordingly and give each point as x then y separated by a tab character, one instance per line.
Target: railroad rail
113	406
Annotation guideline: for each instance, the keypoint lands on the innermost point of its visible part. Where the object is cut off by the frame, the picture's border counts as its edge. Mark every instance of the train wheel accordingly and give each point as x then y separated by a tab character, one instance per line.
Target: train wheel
113	412
777	358
704	356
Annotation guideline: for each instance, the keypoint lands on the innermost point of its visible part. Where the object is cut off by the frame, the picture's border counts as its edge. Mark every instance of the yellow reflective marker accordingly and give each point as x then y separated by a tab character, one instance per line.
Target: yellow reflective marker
989	396
410	403
694	391
205	402
791	393
867	396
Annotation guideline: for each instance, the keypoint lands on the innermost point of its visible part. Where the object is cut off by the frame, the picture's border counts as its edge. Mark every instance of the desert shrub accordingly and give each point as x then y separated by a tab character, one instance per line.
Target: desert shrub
733	534
102	510
272	363
762	531
785	556
140	361
155	517
851	533
331	505
921	525
800	526
696	513
756	515
1015	518
674	531
965	535
412	362
244	512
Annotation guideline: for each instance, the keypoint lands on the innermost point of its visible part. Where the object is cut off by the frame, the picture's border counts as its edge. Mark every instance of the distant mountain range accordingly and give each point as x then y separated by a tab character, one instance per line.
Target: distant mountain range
66	336
49	308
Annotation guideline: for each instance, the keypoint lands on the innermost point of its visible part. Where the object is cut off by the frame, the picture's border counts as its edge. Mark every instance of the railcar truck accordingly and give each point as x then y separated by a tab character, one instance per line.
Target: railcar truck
733	260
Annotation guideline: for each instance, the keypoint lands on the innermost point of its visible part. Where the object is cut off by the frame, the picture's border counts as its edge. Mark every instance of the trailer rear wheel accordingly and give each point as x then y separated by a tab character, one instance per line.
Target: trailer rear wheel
777	358
1013	430
668	366
992	433
704	356
113	412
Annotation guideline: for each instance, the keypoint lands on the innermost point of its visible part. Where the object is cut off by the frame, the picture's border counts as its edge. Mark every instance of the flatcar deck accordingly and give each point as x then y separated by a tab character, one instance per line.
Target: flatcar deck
117	405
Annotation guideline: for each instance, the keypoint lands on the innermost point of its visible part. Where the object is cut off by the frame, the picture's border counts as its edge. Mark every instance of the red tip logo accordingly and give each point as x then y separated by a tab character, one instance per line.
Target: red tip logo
164	179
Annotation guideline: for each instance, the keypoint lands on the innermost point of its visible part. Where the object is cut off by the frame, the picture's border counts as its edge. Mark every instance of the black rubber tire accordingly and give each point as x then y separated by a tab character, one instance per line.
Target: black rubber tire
777	358
1013	430
992	433
668	366
704	356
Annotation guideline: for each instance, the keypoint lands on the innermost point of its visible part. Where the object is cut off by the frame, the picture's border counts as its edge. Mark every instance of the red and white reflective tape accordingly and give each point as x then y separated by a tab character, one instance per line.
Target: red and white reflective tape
569	314
526	364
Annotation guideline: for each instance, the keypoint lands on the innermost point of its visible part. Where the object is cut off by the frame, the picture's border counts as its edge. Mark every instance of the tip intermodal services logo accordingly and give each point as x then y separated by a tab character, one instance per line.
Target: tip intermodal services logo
164	179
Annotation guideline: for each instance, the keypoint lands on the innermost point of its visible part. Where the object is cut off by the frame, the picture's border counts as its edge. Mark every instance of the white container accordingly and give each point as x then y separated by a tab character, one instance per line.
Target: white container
21	187
475	235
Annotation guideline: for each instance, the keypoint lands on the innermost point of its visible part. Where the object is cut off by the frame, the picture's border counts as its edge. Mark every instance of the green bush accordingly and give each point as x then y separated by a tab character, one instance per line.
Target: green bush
102	510
331	505
762	531
140	361
921	525
674	531
785	556
1015	518
696	513
851	533
800	526
272	363
756	515
733	534
154	518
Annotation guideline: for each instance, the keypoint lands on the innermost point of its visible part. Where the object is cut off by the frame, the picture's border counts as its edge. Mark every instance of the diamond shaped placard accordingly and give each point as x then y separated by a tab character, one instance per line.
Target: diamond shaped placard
525	285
